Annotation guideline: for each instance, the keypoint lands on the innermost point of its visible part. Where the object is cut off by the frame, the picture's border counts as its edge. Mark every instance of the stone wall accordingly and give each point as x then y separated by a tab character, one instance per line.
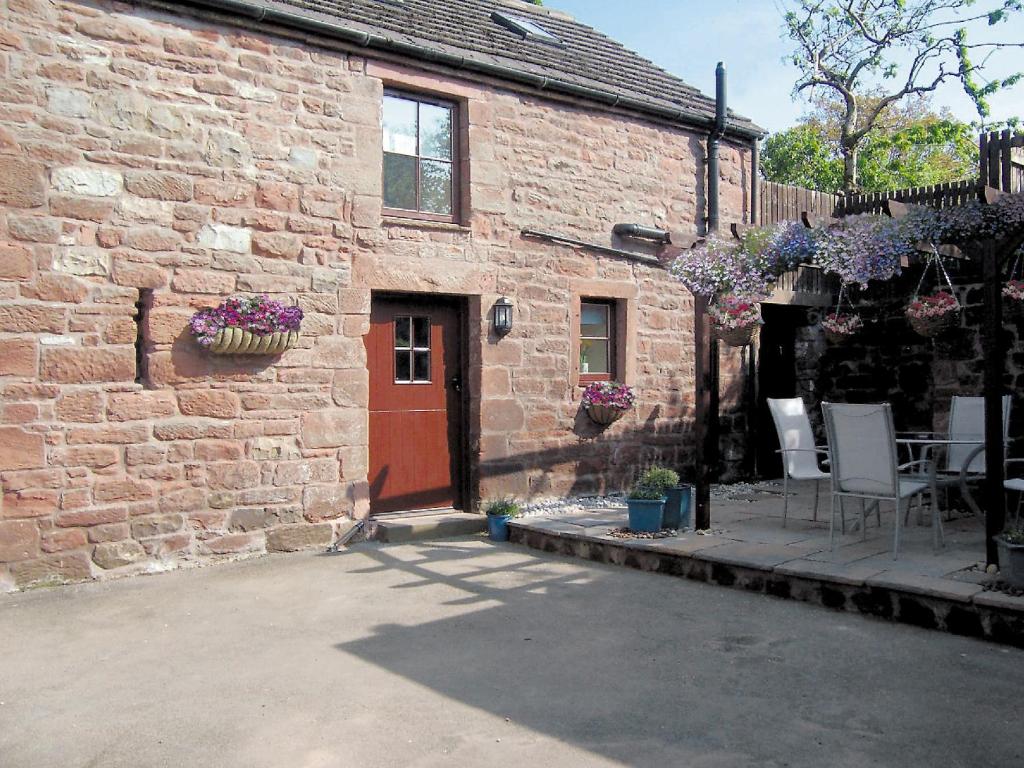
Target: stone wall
151	165
888	362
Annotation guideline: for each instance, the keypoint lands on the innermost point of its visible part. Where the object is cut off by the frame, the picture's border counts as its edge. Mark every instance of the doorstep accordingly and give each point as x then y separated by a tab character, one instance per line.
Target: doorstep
427	525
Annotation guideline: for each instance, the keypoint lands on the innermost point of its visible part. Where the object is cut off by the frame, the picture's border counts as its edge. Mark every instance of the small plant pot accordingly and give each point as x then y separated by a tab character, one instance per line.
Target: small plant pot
1011	562
677	507
497	527
738	337
604	414
930	327
236	341
645	515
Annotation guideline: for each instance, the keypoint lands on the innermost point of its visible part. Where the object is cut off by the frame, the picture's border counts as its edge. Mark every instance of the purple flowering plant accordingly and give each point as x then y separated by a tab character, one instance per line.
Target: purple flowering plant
609	393
862	248
259	315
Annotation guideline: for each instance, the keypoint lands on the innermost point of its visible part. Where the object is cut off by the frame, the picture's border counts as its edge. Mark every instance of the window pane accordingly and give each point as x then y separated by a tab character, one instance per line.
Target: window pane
435	187
399	125
435	132
594	320
594	356
403	365
399	182
402	332
421	334
421	366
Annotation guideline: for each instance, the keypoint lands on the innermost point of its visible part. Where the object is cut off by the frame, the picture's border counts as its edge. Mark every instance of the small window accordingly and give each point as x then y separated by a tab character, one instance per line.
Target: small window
412	350
419	157
597	341
524	27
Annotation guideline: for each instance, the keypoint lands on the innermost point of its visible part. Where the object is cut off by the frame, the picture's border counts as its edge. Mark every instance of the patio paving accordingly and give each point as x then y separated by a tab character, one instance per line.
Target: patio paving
747	546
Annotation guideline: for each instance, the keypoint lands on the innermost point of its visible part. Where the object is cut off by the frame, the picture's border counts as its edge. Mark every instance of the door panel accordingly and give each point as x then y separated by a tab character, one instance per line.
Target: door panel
413	352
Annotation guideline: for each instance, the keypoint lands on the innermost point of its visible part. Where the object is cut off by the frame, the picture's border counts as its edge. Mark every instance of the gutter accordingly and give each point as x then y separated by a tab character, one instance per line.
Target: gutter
263	14
713	140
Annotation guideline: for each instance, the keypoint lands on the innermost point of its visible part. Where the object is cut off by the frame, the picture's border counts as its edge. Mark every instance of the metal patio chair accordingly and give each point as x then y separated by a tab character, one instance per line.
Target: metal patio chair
864	465
959	464
796	444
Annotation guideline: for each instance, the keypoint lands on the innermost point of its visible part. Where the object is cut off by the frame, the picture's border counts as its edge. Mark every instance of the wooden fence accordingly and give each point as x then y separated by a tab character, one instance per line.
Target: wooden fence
782	202
947	195
1001	160
1001	165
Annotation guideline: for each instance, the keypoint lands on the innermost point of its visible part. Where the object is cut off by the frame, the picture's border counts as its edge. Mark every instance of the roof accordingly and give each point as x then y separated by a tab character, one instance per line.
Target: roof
468	34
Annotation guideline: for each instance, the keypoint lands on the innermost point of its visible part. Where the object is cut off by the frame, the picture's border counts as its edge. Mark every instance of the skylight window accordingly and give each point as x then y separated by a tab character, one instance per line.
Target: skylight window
524	27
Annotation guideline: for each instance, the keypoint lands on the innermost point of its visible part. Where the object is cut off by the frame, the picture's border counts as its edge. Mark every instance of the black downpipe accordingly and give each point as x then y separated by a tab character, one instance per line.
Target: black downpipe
713	140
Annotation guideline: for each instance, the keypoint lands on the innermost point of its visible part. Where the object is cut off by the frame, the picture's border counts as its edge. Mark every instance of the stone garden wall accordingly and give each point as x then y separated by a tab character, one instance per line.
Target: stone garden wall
151	165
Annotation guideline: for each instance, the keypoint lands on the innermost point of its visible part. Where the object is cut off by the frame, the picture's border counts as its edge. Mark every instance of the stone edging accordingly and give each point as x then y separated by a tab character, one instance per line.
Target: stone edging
968	611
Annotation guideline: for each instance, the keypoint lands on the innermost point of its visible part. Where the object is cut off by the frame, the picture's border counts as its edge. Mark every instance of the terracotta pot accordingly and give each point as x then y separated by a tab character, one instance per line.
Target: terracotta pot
929	327
604	414
235	341
738	337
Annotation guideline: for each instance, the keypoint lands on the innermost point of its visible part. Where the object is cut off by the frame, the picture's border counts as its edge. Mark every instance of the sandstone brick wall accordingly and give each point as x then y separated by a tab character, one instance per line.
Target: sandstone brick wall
162	162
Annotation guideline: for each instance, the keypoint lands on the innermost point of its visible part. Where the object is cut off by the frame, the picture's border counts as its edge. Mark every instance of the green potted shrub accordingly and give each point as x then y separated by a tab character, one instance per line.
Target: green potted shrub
646	505
499	512
1011	556
677	497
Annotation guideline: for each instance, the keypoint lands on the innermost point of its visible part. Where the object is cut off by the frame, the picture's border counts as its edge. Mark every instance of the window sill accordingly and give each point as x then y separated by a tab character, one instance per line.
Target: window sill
410	223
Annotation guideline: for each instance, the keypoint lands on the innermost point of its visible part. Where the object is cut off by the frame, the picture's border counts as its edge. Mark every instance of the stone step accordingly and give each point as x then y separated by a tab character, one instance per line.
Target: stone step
426	526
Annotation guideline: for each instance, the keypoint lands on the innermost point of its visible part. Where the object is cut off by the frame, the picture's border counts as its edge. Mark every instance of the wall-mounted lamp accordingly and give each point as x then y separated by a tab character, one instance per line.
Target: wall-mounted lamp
503	317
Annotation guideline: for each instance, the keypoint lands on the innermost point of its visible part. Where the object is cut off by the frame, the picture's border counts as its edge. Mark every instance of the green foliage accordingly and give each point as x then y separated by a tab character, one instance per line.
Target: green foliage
1014	535
642	492
869	55
505	507
661	478
910	146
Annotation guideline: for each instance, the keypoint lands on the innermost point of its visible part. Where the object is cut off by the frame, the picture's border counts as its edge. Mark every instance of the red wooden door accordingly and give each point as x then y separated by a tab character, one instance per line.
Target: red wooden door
413	353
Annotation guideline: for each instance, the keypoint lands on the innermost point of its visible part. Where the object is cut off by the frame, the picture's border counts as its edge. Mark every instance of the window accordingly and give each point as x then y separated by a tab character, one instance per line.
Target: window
412	350
524	27
419	157
597	340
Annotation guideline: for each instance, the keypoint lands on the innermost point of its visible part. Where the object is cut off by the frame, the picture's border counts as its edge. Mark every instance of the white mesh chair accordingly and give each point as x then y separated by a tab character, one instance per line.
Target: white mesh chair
864	464
796	444
962	463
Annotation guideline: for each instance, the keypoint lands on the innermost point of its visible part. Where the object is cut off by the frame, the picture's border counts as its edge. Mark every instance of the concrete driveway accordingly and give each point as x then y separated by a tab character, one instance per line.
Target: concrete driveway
463	653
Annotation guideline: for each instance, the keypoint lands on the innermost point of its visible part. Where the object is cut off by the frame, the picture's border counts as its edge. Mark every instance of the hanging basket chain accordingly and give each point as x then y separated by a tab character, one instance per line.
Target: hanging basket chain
935	260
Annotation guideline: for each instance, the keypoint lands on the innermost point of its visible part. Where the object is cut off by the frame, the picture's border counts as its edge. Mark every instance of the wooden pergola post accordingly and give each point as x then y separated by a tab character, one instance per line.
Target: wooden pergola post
704	412
994	350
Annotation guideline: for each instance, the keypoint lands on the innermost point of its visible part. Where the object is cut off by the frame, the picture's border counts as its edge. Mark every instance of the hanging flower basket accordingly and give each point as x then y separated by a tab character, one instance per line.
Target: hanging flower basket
931	316
1013	299
736	319
840	328
235	341
243	325
738	337
606	401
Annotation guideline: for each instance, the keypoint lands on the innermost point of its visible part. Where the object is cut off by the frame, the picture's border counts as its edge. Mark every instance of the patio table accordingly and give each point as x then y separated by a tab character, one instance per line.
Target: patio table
923	442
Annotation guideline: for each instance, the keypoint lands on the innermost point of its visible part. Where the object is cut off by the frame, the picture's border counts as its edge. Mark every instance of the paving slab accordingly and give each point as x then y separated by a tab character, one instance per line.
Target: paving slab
841	573
944	589
754	555
687	544
999	600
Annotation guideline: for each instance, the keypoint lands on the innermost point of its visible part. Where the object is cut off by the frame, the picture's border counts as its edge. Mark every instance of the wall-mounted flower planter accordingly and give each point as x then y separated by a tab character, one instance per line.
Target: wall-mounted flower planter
738	337
235	341
604	414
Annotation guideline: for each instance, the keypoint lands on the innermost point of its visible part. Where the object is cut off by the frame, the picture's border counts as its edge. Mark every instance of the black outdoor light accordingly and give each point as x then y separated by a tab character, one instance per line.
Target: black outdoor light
503	316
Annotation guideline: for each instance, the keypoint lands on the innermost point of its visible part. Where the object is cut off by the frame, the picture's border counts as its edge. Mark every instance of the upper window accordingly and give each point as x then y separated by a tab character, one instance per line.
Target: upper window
525	27
597	340
419	157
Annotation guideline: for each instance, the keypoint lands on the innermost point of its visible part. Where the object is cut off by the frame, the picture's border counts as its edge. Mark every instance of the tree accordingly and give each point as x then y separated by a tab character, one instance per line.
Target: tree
910	145
899	47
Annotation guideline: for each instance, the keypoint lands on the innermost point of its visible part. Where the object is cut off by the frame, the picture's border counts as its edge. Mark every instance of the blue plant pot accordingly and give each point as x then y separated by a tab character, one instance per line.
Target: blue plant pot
497	527
677	507
645	514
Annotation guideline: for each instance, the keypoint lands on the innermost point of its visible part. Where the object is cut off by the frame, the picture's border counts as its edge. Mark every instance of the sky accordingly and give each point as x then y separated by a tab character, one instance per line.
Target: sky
688	37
